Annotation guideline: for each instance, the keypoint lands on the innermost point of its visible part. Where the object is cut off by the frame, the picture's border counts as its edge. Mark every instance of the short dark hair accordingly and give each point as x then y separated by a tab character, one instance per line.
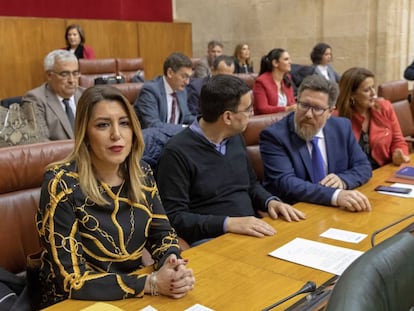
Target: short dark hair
228	60
214	43
318	51
319	83
80	31
175	61
219	94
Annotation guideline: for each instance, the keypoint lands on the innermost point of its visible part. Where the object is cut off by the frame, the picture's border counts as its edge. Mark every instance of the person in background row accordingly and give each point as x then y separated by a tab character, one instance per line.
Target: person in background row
273	88
55	100
409	72
75	42
374	122
162	102
223	64
309	156
242	61
99	208
206	181
203	67
321	57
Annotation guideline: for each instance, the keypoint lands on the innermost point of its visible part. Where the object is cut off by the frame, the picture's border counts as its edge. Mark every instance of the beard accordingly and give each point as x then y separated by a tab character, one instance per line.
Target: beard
306	132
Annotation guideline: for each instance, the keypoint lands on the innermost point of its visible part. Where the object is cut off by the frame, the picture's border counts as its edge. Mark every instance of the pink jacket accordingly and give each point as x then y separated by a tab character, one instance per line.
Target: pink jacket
384	132
265	94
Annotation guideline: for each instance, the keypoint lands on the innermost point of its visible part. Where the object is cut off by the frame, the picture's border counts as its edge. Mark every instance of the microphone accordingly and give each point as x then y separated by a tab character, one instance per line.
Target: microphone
409	228
307	288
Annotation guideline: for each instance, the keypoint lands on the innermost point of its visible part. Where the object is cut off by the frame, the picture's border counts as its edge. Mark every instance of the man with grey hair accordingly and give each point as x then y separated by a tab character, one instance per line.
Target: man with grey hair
55	100
311	156
204	66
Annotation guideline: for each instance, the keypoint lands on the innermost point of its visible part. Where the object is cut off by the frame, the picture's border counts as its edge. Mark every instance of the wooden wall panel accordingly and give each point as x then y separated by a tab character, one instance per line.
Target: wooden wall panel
109	38
23	45
158	40
24	42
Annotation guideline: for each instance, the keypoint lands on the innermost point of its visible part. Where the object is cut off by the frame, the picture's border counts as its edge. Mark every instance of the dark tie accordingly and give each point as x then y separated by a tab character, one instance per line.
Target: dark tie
317	161
69	112
173	108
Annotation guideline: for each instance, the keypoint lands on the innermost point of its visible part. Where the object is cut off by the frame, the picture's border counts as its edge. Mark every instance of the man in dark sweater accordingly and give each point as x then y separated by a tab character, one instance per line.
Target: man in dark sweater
205	179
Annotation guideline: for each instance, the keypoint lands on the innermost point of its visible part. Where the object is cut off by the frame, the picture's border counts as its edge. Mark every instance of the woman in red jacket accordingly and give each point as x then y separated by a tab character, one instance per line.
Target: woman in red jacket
374	122
75	42
273	88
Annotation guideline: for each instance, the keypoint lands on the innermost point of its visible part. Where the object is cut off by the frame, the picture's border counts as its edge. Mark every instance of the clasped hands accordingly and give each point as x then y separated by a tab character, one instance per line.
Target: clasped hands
174	279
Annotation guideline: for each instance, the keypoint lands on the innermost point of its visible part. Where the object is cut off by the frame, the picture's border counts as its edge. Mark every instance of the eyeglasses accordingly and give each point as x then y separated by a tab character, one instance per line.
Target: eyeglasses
317	111
67	74
248	110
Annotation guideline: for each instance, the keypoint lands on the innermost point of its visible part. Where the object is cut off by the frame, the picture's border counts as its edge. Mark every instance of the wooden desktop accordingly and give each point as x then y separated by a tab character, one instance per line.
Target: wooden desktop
235	272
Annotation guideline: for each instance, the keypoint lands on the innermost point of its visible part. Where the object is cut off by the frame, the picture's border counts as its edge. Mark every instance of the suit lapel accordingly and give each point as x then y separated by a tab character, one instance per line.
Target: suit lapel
300	145
163	109
54	104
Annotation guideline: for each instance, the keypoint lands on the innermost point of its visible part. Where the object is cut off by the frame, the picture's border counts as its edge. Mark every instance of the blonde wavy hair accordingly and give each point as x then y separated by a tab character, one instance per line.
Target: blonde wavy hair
130	169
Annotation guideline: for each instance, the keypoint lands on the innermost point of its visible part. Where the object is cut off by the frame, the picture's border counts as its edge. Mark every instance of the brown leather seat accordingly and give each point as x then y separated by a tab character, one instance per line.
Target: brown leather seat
130	90
22	169
251	137
397	93
249	78
91	69
129	67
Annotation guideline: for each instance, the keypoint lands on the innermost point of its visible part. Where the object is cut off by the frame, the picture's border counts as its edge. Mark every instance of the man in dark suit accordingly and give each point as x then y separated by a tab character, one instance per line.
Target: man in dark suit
55	100
162	102
286	148
222	64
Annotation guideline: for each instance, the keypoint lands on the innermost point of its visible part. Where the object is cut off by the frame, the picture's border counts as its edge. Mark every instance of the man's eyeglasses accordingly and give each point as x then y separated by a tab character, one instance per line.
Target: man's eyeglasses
317	111
248	110
67	74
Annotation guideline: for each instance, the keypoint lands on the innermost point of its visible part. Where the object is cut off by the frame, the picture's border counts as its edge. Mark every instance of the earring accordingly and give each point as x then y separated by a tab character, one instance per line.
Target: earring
352	101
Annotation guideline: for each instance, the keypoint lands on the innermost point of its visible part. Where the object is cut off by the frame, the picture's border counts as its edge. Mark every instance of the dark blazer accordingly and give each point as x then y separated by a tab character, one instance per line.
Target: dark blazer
51	118
151	106
193	94
332	74
409	72
288	164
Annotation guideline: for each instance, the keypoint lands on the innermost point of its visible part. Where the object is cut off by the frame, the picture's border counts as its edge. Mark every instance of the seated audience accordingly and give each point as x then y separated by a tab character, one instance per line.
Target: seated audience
203	67
409	72
374	122
222	64
242	61
310	156
206	182
55	100
273	88
100	207
162	102
75	42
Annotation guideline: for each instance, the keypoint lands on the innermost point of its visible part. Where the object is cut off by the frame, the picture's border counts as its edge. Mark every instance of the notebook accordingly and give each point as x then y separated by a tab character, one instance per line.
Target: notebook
406	172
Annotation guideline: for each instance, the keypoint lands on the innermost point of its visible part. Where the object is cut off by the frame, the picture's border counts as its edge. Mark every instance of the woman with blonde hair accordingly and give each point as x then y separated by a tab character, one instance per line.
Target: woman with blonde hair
242	61
75	42
374	122
99	208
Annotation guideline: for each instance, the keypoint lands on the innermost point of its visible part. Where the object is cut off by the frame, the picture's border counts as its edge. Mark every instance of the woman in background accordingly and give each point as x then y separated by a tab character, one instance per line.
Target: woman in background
374	122
75	42
321	57
242	62
100	207
273	88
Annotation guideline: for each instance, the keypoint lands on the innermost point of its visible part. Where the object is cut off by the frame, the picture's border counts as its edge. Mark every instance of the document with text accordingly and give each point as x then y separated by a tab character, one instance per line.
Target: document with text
321	256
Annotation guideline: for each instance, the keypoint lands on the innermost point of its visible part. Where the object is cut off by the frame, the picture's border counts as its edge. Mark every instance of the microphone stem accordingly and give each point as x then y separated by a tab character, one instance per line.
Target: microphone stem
280	302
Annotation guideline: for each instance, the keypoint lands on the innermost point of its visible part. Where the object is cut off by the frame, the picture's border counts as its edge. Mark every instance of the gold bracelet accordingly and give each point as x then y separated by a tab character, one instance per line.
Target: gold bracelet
153	284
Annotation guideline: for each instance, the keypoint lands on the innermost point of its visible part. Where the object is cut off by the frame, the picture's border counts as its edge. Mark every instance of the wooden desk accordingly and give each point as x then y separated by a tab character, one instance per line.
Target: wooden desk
234	272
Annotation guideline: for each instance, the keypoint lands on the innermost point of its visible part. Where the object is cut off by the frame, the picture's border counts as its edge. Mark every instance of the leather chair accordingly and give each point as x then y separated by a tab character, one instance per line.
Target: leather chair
22	169
381	279
129	67
251	134
249	78
130	90
6	102
91	69
397	93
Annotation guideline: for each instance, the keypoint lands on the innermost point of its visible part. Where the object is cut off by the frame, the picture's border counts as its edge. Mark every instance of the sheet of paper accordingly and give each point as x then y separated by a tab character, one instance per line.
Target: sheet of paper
101	306
410	195
148	308
343	235
321	256
198	307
